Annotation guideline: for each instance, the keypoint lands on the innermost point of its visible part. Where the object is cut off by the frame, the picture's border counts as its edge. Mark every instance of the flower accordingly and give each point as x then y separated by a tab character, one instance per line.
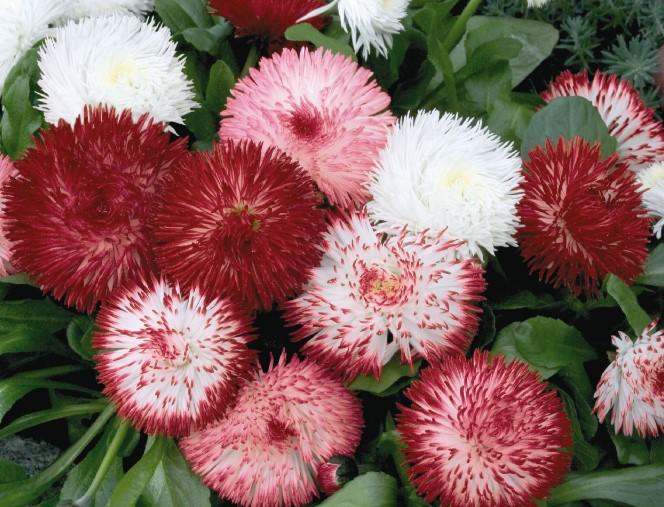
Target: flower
170	361
482	432
322	109
77	214
24	23
640	136
370	299
77	9
445	174
632	387
371	23
283	425
335	473
652	184
7	170
267	19
239	220
581	217
118	61
537	3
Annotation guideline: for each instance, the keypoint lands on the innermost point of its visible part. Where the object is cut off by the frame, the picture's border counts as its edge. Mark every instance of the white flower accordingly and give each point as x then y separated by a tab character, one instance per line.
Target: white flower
537	3
118	61
23	23
652	182
371	23
632	387
77	9
445	174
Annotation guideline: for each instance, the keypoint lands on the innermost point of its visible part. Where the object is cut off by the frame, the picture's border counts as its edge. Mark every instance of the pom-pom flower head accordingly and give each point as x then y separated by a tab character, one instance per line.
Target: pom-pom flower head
77	9
581	217
370	299
446	174
78	211
632	387
322	109
640	136
652	184
170	361
7	170
481	433
335	473
118	61
283	425
240	220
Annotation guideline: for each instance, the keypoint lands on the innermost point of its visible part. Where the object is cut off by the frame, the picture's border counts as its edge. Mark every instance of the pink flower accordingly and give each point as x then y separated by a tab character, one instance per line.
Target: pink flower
265	451
322	109
640	136
632	387
371	298
482	433
7	170
170	361
335	473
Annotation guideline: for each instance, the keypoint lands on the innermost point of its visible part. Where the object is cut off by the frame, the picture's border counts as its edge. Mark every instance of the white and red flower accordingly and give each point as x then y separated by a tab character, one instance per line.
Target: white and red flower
7	170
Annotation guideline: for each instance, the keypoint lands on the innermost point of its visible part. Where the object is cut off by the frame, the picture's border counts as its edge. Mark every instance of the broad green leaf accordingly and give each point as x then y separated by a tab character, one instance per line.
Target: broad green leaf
208	40
586	456
489	84
27	339
131	486
219	86
641	486
305	32
392	372
26	66
578	384
18	279
10	472
40	314
630	450
178	15
654	271
657	451
19	119
568	117
527	300
79	336
373	489
625	297
202	123
509	119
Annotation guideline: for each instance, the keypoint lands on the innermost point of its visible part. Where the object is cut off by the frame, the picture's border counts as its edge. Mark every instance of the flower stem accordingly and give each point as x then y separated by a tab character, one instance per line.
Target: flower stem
459	26
252	58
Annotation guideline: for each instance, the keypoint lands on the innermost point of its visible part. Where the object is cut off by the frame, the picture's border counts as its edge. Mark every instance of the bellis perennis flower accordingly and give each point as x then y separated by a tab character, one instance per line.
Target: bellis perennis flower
7	170
632	387
322	109
652	184
581	216
170	361
241	220
370	299
285	423
118	61
640	136
77	214
77	9
445	174
480	433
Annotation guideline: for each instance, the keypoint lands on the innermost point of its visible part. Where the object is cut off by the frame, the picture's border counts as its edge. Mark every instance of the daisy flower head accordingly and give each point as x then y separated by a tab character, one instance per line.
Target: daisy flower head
240	220
119	61
335	473
652	184
581	217
537	3
445	174
170	361
632	387
481	432
77	213
370	299
372	24
23	23
322	109
639	134
284	423
7	170
77	9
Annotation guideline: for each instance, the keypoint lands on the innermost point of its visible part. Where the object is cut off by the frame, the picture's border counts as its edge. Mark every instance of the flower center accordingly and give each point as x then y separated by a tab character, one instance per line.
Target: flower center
381	287
237	229
122	70
170	346
306	124
652	176
457	177
278	431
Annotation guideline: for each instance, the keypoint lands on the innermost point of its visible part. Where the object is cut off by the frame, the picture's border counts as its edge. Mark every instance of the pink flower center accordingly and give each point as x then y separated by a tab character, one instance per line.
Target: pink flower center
278	431
381	287
305	124
170	346
237	229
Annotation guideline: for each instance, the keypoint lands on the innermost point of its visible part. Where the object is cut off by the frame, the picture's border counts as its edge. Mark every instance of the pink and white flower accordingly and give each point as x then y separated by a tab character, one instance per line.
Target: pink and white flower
371	298
7	170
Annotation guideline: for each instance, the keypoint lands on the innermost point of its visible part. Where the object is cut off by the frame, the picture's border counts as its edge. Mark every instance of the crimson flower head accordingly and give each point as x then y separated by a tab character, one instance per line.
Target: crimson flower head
77	213
284	424
170	361
483	433
240	220
581	217
267	19
7	170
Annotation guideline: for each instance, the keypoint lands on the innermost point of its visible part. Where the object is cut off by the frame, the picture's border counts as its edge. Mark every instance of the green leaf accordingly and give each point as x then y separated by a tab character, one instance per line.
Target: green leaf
657	451
568	117
527	300
509	118
174	484
178	15
654	271
131	486
305	32
487	85
10	472
641	486
40	314
202	123
373	489
27	339
626	299
18	279
26	66
630	450
79	336
586	456
208	40
392	372
20	119
219	86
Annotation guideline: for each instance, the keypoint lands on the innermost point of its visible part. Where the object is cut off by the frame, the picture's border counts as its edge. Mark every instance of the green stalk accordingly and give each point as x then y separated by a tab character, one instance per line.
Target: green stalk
251	60
110	455
459	26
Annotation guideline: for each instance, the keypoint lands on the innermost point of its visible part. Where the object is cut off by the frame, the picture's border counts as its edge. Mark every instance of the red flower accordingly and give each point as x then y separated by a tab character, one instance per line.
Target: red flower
483	433
239	220
335	473
267	19
581	217
77	213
